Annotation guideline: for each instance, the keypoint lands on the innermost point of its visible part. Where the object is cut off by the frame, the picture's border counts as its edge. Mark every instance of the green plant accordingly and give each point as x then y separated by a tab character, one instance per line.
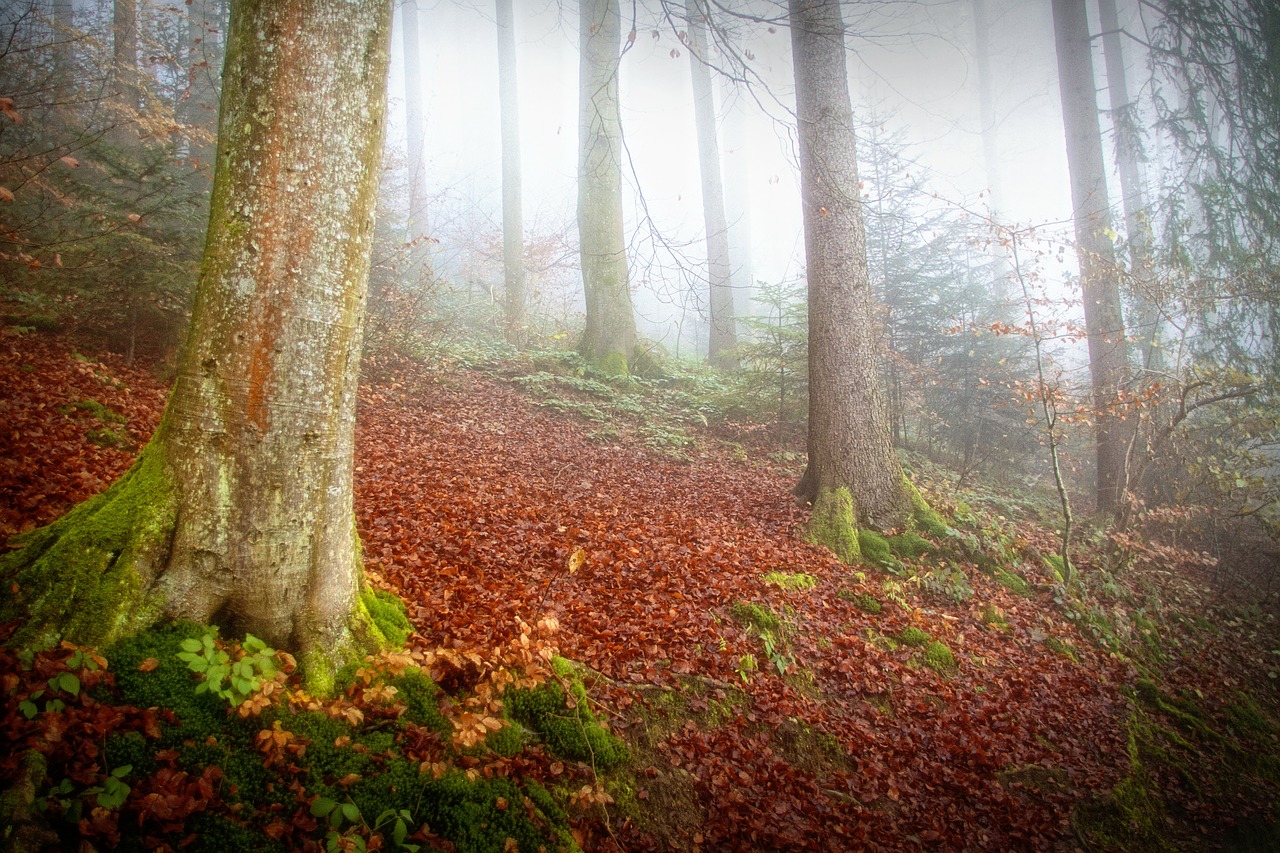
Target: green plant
1014	583
913	636
948	581
785	580
236	680
746	665
864	601
939	657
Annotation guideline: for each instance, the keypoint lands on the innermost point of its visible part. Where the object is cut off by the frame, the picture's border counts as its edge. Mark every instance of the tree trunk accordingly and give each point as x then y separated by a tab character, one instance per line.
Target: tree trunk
512	214
124	53
239	510
64	37
1104	325
849	439
199	106
415	134
724	339
610	336
1128	148
990	139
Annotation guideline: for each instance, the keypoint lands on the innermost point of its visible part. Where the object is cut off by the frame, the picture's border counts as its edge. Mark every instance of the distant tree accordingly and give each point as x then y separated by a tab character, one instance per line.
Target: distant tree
850	451
512	214
1099	275
723	338
419	229
610	335
198	108
239	510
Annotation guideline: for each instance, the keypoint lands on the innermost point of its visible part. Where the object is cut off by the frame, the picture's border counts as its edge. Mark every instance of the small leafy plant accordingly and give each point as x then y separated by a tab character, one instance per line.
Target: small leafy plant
235	680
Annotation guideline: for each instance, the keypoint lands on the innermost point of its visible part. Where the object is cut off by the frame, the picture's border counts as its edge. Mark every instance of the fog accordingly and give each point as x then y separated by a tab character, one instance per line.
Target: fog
911	67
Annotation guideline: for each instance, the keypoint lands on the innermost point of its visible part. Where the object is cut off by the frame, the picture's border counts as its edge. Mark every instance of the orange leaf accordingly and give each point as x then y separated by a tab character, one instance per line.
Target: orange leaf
148	665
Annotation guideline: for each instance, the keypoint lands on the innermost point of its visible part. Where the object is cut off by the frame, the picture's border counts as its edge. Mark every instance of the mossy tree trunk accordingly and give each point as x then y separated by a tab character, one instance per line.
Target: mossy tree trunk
239	511
610	335
849	439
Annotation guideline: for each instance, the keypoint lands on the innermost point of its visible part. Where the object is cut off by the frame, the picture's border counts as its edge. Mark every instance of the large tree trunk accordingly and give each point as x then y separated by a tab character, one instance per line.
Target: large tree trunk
610	336
512	213
239	511
1099	277
723	339
849	440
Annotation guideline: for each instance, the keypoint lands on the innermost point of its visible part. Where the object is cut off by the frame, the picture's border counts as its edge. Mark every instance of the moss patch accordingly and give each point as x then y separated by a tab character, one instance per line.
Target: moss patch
864	601
1014	583
388	614
939	657
874	548
573	733
913	636
86	577
923	516
798	582
755	616
833	525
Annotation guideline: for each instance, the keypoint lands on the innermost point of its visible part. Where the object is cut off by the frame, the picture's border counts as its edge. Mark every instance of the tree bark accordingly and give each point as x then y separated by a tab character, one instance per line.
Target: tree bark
723	338
1099	279
610	335
239	510
512	213
849	439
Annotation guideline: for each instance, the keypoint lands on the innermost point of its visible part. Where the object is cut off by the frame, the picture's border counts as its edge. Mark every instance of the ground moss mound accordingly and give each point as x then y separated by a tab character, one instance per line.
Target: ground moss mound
574	733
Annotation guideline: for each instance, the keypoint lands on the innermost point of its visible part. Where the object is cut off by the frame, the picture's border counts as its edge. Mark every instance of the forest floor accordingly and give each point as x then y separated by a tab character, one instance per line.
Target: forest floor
949	696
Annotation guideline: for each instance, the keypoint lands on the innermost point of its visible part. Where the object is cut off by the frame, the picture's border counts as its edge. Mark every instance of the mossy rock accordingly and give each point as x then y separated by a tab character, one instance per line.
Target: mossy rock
913	636
939	657
864	601
909	545
1014	583
755	616
874	547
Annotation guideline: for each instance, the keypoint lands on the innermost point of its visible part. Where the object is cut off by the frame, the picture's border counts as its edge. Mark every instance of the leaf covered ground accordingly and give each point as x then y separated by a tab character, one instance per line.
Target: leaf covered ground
771	697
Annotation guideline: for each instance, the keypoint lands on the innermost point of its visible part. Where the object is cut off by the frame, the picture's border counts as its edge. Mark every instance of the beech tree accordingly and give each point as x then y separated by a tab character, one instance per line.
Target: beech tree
512	212
239	510
1099	280
723	337
610	335
853	472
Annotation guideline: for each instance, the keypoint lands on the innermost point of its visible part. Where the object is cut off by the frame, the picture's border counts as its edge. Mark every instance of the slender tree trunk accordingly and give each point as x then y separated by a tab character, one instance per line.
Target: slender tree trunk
1128	149
239	511
64	36
124	51
1099	277
512	214
610	334
990	136
724	339
199	107
415	132
737	199
849	439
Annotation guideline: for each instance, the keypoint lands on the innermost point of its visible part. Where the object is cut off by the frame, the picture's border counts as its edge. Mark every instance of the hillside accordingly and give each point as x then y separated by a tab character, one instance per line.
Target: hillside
950	696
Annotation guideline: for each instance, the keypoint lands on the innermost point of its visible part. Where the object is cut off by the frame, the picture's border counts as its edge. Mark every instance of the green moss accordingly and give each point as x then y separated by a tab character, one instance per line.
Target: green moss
755	616
923	516
388	613
864	601
419	694
993	617
468	814
832	524
874	548
572	733
85	578
785	580
909	545
1247	716
107	437
913	636
1063	648
940	658
94	409
1014	583
612	364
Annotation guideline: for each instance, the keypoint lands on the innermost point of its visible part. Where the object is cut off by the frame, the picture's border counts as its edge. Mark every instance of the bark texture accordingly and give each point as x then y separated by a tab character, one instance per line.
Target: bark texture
239	511
723	338
512	204
849	440
610	335
1099	275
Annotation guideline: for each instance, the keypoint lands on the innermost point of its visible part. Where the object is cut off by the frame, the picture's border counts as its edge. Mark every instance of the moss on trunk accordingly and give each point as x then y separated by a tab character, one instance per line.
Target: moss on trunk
89	576
832	524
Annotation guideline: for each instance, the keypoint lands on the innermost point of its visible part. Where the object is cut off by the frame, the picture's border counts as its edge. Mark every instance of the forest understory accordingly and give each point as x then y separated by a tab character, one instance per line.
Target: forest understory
947	695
